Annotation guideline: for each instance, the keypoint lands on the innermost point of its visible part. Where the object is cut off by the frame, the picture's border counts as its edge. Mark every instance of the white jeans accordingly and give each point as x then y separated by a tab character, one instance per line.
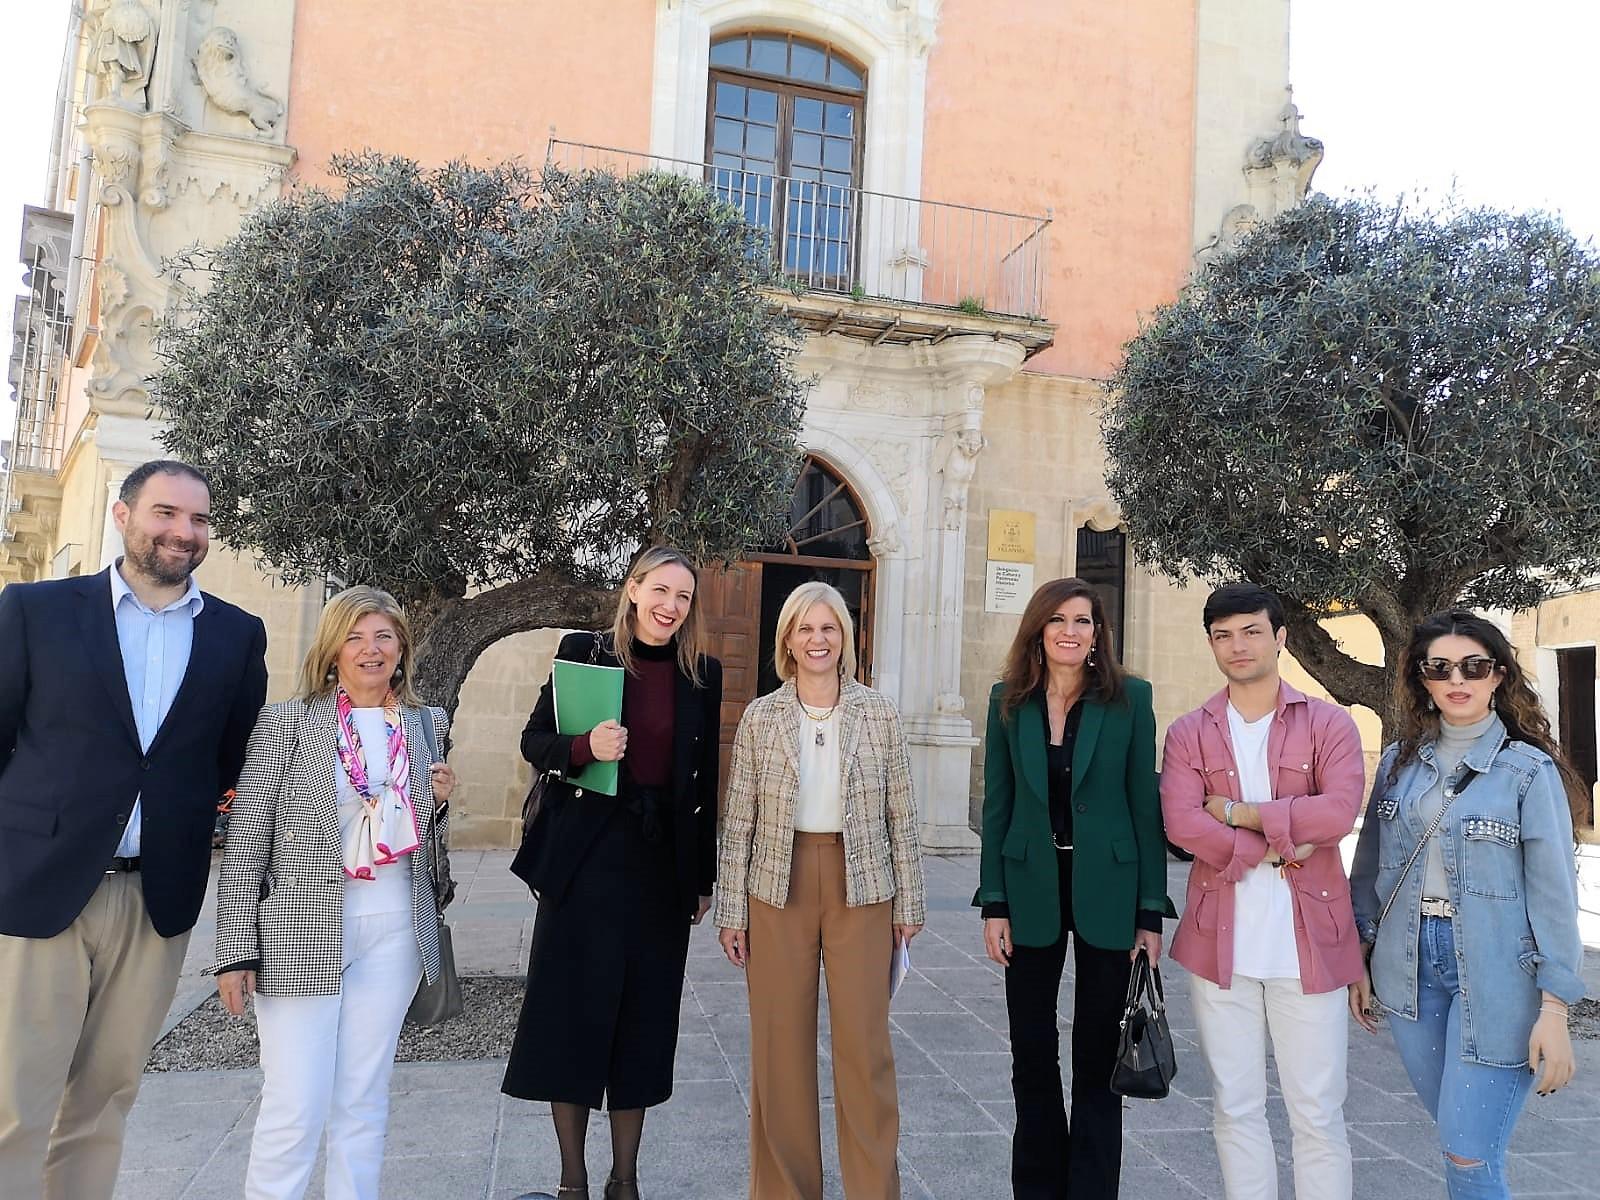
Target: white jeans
327	1062
1309	1045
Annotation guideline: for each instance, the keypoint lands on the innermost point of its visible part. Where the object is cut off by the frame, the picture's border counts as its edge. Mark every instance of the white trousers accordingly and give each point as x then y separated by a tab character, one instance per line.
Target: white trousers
327	1062
1309	1045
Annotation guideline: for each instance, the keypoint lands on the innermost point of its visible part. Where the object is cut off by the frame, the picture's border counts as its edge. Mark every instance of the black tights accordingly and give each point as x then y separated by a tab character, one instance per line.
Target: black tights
572	1124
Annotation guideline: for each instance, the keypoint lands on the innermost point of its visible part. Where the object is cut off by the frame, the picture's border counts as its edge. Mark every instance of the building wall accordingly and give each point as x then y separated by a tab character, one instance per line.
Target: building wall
1241	72
1045	456
1085	108
473	79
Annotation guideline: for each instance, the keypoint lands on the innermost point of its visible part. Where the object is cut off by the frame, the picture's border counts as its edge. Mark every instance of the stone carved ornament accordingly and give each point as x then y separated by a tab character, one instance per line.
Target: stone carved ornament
124	49
219	65
958	463
1278	170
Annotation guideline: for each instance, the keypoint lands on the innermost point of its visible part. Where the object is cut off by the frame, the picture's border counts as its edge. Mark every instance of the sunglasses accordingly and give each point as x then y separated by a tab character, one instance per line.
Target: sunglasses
1474	666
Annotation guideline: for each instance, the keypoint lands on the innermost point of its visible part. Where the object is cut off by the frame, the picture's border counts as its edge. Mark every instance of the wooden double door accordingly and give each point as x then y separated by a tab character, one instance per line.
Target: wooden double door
827	538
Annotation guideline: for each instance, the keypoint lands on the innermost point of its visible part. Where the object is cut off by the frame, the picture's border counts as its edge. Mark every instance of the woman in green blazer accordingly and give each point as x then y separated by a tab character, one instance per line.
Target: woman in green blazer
1072	844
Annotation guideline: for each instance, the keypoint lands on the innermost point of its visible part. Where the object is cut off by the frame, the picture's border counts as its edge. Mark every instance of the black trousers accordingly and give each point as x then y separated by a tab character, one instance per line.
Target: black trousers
1054	1157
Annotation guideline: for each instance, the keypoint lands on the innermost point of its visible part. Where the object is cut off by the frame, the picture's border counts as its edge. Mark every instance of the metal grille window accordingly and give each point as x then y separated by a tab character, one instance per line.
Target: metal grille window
783	139
1102	563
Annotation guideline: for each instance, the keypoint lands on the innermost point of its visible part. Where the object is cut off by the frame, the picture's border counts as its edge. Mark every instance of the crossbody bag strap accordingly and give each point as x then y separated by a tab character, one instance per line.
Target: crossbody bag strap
1416	851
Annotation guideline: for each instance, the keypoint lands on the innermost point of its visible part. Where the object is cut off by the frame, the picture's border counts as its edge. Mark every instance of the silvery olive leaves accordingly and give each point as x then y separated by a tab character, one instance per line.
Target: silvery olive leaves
1371	406
452	378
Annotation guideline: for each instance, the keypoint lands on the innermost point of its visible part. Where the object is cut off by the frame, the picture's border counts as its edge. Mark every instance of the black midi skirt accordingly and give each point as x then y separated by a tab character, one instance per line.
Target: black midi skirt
599	1023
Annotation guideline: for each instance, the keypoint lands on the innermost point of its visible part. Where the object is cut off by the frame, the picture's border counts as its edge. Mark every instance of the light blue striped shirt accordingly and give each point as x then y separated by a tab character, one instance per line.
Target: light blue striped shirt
155	654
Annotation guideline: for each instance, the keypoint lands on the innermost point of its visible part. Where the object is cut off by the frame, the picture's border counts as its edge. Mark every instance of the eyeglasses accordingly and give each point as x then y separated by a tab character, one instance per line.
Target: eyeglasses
1474	666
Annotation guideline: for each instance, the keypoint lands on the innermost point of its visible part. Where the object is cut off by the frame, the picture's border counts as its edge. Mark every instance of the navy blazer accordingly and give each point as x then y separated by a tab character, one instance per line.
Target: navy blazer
71	766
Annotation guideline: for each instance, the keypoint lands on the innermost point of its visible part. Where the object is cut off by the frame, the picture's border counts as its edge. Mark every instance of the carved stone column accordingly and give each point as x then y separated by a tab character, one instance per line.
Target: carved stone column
936	718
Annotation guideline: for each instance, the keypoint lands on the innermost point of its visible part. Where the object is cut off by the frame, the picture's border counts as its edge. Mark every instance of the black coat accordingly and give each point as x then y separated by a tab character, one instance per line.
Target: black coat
71	766
573	821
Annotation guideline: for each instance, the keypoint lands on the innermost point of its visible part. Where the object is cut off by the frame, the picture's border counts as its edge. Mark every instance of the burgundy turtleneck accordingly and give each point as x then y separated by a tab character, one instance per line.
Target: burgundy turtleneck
648	713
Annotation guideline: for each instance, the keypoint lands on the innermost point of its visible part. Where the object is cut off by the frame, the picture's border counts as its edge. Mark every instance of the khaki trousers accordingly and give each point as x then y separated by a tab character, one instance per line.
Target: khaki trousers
855	946
78	1015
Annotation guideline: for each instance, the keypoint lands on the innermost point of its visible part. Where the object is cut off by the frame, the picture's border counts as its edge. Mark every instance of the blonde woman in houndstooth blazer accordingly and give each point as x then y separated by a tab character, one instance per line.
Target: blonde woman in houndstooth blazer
325	905
820	858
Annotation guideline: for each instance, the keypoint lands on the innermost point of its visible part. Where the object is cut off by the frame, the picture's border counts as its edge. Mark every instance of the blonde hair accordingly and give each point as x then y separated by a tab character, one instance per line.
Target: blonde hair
339	617
691	634
795	607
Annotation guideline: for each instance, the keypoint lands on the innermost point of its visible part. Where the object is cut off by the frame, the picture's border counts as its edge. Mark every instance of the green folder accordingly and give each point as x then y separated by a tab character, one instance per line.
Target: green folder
586	695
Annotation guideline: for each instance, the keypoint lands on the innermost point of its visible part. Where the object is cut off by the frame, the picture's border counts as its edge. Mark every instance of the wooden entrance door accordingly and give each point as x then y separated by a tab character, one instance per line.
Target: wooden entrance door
731	598
827	540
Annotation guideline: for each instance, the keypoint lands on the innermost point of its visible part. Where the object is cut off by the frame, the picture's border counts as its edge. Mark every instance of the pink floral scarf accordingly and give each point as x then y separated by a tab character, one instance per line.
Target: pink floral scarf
386	827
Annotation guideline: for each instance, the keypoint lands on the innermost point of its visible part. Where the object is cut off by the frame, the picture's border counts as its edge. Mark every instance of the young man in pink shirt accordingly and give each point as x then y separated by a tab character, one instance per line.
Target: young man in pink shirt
1260	783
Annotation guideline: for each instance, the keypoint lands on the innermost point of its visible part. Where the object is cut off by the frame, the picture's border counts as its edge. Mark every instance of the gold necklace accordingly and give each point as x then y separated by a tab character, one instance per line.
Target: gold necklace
821	721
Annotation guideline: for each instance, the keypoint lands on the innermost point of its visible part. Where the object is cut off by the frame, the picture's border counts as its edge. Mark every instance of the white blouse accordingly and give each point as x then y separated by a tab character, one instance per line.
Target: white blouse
819	807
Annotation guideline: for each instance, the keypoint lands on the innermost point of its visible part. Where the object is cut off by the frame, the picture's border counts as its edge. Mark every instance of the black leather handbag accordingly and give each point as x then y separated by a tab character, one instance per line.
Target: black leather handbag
1146	1061
528	864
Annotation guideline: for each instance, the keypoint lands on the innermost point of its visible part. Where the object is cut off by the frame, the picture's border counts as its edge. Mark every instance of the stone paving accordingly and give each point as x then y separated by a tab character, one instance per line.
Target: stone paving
452	1135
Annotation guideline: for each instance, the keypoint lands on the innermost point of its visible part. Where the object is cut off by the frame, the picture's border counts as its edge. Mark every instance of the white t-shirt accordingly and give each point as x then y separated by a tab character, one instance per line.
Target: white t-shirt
1263	908
391	890
818	807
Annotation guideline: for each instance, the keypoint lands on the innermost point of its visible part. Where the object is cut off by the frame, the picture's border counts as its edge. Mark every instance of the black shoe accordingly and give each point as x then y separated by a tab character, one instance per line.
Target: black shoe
621	1189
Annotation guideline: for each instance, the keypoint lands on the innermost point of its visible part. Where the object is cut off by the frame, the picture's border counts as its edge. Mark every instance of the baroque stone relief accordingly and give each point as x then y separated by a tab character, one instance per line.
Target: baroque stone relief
893	460
219	67
1277	170
880	399
957	463
163	182
124	49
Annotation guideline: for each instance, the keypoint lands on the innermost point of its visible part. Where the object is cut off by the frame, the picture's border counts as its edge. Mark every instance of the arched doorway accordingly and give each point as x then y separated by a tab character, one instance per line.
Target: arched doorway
826	539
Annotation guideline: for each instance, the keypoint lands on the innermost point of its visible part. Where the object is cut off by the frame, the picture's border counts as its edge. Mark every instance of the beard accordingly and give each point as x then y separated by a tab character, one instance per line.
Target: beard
145	554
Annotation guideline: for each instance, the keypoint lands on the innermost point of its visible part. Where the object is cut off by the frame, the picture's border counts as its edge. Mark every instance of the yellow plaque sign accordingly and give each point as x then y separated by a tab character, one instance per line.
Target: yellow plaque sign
1010	535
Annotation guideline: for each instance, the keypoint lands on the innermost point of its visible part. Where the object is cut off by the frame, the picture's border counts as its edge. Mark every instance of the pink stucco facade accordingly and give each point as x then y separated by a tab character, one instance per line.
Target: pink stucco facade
1082	108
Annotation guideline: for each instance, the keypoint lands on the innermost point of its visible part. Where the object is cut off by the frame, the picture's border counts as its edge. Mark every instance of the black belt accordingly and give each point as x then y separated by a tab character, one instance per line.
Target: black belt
123	864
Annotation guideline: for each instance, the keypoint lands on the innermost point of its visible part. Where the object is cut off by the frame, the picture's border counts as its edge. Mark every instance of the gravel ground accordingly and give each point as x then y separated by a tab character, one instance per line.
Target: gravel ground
208	1039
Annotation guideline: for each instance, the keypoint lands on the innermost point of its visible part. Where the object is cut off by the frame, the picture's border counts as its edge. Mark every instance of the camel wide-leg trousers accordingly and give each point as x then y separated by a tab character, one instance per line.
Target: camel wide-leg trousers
855	946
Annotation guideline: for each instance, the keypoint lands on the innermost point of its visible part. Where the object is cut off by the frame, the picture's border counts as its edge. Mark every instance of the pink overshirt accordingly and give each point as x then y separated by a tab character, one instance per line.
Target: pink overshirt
1318	781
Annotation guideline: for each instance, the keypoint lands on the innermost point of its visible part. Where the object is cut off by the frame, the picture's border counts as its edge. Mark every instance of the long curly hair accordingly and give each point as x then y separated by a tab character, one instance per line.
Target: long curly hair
1025	671
1515	700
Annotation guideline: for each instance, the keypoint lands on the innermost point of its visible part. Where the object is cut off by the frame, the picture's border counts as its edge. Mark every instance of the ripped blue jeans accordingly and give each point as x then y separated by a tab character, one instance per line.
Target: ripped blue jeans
1475	1106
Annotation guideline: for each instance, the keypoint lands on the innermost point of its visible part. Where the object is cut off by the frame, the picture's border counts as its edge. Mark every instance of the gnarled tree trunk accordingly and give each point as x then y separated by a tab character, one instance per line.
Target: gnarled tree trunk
452	633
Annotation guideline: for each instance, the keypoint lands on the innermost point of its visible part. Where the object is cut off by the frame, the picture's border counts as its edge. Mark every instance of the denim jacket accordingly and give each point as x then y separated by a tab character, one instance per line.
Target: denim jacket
1507	845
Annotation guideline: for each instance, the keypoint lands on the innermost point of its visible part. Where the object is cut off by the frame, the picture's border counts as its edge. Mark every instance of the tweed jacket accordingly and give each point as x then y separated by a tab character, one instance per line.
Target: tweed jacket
883	852
280	895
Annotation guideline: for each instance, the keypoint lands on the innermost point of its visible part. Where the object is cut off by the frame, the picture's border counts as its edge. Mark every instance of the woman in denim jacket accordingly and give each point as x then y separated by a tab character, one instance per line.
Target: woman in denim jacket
1473	933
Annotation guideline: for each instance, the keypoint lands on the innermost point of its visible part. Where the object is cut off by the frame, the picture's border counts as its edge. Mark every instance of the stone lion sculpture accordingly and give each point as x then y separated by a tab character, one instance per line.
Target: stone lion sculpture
220	66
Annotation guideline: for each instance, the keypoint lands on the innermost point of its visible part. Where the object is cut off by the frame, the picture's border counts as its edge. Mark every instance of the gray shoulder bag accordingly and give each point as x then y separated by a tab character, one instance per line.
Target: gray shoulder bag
440	1000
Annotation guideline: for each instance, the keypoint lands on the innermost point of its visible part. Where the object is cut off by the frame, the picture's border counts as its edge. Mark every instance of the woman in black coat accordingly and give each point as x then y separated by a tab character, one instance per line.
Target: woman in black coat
620	879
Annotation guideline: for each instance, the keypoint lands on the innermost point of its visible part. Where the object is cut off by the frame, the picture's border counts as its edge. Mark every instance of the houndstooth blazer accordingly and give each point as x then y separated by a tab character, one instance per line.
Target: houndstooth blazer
883	853
280	895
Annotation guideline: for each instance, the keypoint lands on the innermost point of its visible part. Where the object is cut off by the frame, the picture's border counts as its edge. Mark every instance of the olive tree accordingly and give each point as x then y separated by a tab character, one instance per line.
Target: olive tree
481	390
1371	408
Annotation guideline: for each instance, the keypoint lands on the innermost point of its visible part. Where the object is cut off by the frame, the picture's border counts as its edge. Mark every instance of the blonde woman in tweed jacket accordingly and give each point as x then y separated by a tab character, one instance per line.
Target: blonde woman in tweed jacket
325	906
819	858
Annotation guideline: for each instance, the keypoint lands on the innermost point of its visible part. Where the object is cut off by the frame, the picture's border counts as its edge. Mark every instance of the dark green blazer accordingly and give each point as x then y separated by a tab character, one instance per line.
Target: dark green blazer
1119	857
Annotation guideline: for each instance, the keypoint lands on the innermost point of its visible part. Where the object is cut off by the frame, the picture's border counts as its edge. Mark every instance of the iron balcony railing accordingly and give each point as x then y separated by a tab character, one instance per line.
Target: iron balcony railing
869	245
38	378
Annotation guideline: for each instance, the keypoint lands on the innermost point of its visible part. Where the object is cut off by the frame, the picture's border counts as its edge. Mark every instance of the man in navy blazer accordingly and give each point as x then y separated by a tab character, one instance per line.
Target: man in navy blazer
126	702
